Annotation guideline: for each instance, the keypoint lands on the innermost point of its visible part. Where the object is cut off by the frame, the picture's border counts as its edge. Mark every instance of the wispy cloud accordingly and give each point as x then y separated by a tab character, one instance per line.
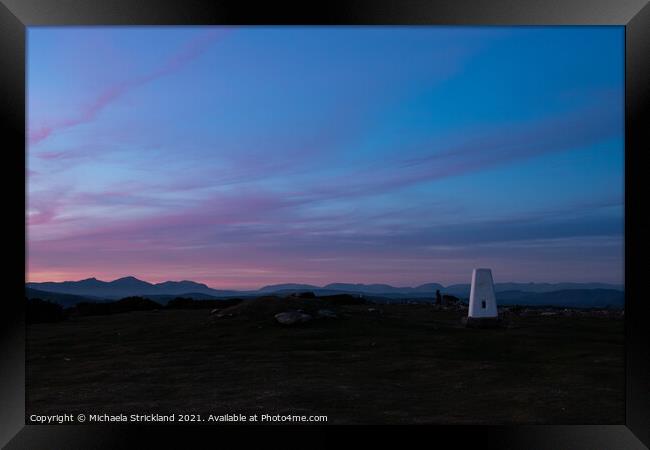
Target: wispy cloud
504	145
88	113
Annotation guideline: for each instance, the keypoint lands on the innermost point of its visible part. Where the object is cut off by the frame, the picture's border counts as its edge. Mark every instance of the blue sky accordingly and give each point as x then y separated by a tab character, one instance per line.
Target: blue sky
245	156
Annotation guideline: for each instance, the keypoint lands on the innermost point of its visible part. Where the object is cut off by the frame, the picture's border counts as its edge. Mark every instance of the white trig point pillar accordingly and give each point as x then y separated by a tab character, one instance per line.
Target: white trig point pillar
482	301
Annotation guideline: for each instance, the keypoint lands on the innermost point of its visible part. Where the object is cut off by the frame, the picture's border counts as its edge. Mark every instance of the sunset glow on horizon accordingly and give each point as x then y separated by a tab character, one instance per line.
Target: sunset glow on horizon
241	157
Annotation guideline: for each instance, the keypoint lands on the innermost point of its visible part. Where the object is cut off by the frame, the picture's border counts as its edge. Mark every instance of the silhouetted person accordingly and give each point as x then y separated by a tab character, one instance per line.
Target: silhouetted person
438	297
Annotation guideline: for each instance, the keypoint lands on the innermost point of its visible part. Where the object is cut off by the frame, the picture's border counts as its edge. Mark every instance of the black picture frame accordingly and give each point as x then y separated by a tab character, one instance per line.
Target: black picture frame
16	15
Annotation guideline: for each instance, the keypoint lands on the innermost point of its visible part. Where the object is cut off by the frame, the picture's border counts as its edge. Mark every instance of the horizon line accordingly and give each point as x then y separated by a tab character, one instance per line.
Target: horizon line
622	284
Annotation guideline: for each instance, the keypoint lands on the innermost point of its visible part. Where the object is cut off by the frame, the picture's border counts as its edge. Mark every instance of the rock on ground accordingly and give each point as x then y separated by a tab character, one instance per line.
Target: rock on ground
327	313
292	317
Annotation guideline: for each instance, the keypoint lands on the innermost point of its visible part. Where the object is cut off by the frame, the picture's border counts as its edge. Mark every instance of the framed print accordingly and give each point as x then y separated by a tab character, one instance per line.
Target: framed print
406	217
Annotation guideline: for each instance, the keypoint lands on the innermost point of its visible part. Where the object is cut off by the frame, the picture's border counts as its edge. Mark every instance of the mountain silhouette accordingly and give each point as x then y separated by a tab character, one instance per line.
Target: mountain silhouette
383	288
462	290
533	293
580	298
285	286
126	286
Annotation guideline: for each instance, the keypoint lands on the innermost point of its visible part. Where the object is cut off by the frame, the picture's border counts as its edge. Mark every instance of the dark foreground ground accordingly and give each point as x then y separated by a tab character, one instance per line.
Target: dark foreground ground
398	364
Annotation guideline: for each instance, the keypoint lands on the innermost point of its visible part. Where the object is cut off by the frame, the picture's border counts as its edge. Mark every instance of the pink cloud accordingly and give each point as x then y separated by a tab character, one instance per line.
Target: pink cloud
42	217
66	154
177	61
37	135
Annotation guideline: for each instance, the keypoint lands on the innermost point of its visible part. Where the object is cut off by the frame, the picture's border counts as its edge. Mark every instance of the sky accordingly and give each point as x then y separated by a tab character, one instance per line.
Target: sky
246	156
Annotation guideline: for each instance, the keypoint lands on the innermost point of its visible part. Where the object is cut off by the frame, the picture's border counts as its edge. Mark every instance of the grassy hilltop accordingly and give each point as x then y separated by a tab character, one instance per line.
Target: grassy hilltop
394	363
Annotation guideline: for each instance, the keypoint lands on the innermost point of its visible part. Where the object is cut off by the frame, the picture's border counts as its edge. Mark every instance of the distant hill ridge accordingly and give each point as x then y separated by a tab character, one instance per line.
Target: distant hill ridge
128	286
